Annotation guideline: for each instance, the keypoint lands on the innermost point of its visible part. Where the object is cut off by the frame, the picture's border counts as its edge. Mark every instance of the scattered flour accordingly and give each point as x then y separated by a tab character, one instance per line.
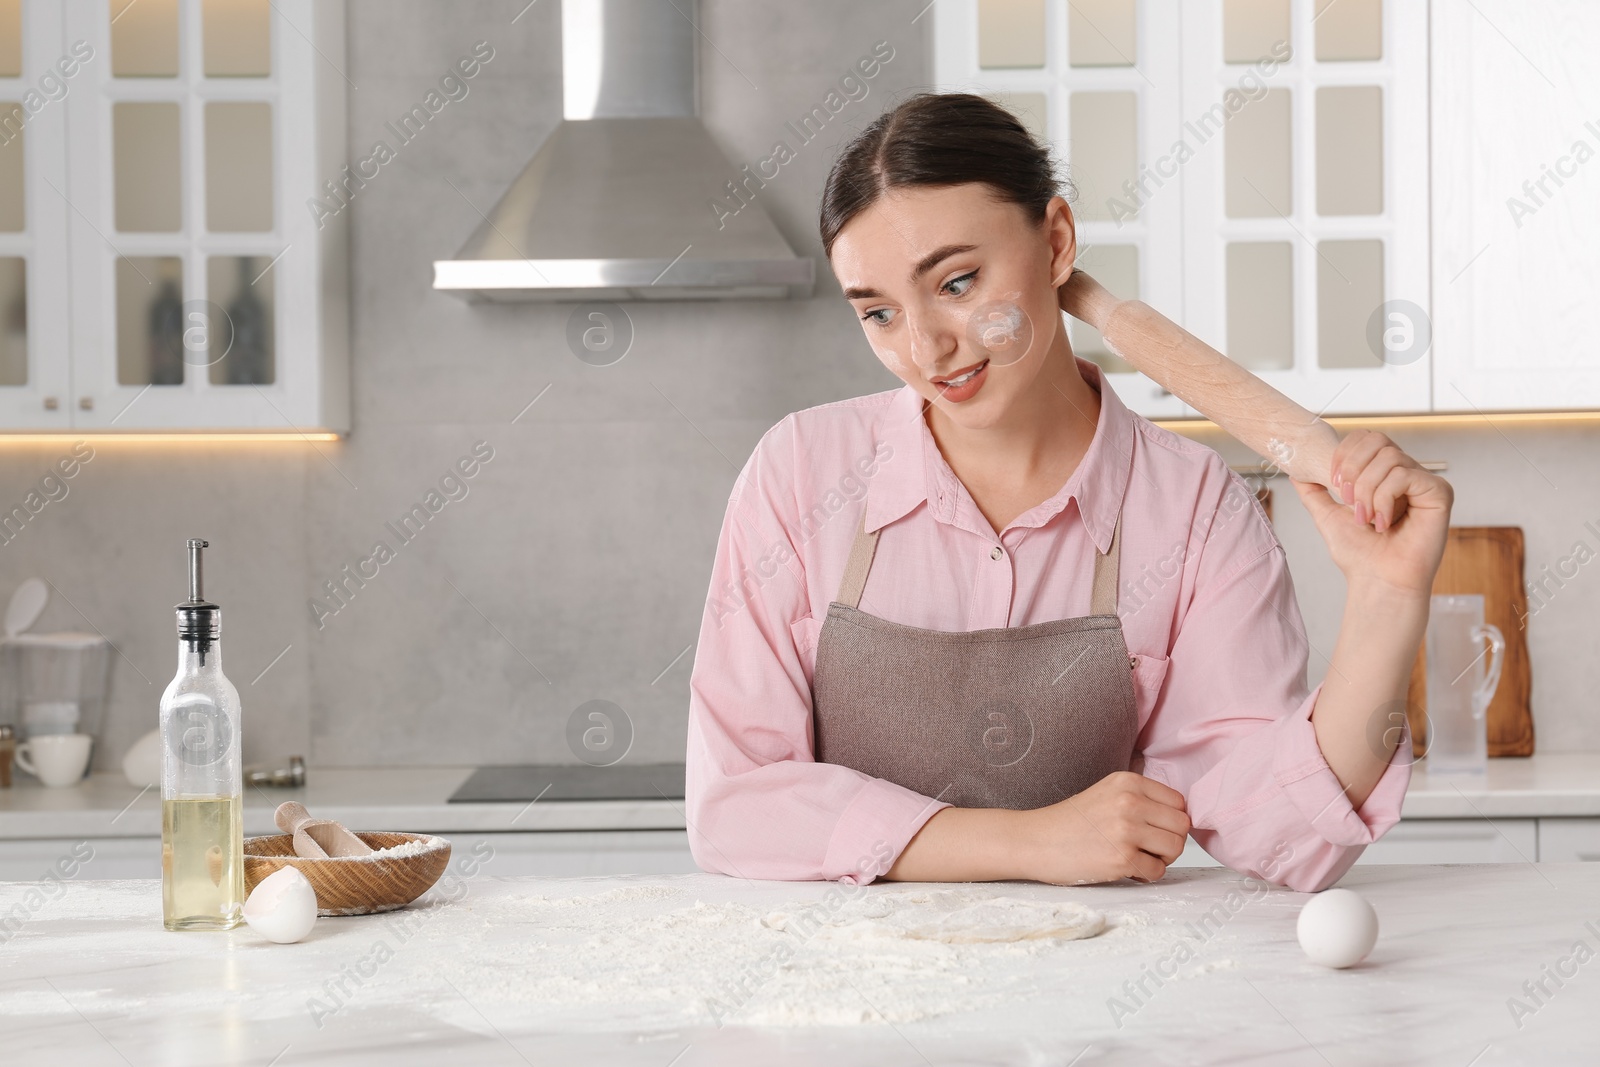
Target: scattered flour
616	959
1227	964
950	915
642	957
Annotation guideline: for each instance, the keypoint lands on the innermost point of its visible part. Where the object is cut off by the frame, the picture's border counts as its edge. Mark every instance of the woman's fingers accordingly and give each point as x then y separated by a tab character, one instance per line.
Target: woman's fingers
1146	866
1390	496
1354	449
1364	461
1160	792
1388	458
1163	843
1351	457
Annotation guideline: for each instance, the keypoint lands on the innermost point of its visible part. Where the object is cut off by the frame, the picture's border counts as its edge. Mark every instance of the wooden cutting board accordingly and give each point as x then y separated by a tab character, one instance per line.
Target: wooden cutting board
1486	560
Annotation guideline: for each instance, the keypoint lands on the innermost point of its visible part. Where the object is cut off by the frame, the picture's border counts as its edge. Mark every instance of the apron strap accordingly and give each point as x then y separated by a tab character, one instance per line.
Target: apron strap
1102	601
855	571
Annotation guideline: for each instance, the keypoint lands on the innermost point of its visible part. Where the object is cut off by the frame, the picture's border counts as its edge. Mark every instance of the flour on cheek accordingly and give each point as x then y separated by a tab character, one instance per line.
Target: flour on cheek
1001	330
892	359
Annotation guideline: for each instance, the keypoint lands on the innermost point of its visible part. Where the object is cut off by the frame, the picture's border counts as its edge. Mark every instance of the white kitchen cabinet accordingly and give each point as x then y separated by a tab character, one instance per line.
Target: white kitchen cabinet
1443	841
1256	171
34	325
74	859
1569	840
574	854
554	854
168	218
1516	205
1457	841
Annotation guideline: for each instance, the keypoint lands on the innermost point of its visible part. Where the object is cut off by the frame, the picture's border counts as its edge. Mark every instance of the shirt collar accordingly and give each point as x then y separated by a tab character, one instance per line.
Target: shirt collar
916	471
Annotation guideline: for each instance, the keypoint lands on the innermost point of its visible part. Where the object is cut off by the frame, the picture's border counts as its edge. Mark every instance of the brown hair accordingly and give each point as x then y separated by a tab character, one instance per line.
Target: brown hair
939	139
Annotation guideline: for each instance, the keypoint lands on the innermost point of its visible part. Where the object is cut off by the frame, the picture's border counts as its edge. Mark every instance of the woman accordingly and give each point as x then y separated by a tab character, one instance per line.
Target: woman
993	625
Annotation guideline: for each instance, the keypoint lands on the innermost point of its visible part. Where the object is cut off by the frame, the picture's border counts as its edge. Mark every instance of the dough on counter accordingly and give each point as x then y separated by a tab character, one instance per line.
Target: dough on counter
953	916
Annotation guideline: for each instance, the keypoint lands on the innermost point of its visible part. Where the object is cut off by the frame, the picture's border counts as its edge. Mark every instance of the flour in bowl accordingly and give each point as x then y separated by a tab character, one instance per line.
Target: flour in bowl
415	847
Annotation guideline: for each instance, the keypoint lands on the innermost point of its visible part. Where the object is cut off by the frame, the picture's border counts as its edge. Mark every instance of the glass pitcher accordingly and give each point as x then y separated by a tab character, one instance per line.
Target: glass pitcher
1461	682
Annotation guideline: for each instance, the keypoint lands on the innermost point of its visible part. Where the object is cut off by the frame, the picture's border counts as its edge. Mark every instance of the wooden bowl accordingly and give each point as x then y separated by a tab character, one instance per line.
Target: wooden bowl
353	885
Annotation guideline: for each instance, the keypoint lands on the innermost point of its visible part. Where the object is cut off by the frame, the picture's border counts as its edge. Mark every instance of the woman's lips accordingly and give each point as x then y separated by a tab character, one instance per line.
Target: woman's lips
966	390
964	370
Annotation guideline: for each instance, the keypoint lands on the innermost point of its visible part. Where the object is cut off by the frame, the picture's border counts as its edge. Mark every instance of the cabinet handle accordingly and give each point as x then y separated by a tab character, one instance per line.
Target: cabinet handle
51	403
86	403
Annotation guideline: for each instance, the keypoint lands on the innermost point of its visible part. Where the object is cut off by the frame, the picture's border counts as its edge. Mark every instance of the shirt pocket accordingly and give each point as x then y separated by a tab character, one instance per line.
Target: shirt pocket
1148	676
805	631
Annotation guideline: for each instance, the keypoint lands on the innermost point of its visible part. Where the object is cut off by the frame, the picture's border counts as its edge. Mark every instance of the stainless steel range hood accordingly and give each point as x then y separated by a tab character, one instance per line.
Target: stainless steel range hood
629	198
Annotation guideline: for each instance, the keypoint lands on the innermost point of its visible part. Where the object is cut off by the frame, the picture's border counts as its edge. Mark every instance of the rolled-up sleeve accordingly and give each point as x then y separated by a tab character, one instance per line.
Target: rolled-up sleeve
1232	729
758	804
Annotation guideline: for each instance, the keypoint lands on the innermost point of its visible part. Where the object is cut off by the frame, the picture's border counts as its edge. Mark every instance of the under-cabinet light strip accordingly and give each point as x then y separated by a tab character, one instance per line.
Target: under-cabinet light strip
198	438
1464	418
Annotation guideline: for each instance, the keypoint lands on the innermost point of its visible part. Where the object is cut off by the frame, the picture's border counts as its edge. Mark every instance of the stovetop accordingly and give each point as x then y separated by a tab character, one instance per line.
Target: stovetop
561	781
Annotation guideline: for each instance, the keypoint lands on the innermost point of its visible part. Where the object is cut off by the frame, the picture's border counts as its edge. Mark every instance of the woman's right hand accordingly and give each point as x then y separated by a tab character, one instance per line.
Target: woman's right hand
1123	826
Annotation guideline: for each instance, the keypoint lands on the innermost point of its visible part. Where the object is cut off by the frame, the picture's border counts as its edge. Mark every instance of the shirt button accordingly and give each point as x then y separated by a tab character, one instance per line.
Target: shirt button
997	553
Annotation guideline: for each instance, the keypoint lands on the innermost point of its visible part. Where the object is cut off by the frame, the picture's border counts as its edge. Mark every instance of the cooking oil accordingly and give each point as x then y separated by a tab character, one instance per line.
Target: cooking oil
202	781
202	876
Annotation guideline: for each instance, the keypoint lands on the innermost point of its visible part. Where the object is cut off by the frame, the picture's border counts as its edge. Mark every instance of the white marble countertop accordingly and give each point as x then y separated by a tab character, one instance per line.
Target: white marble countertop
681	971
414	799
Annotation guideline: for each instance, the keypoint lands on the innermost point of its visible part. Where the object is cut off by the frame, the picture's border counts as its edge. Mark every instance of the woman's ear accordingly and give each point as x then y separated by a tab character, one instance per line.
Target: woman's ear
1062	233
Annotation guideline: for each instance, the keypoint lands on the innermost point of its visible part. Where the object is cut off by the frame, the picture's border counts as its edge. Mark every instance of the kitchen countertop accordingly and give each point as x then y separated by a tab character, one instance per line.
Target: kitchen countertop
415	799
663	971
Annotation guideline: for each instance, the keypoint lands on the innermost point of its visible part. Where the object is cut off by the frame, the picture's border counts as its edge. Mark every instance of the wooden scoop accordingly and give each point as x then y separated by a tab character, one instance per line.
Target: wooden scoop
317	838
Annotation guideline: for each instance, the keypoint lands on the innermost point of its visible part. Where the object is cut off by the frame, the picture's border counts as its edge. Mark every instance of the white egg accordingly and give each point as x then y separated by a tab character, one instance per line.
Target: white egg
283	907
1337	928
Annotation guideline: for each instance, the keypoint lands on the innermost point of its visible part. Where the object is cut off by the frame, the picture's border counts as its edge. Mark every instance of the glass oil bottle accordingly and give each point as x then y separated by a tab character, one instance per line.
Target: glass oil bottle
202	781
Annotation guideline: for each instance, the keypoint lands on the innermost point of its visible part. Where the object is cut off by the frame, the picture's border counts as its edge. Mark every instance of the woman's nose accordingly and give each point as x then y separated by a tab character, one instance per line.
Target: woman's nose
932	340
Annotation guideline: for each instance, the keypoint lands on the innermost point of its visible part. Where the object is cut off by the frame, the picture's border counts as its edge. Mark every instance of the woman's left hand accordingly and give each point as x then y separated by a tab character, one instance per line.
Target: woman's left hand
1392	527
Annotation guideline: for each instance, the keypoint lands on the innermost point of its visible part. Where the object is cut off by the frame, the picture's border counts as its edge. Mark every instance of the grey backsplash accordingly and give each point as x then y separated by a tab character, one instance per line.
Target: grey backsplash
576	565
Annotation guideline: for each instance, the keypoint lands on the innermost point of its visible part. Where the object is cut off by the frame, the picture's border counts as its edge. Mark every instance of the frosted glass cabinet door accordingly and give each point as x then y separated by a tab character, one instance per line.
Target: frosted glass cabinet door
1306	222
34	316
205	295
1100	81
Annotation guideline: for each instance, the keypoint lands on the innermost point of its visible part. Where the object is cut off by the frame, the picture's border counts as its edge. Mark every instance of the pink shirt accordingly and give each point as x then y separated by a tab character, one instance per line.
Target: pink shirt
1205	598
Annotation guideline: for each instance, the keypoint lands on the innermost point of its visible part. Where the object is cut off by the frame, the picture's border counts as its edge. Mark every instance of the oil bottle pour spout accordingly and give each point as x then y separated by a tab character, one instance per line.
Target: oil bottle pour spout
195	565
199	620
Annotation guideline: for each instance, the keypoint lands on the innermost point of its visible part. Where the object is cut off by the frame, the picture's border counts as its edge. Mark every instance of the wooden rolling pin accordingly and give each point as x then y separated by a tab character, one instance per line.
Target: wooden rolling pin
1253	412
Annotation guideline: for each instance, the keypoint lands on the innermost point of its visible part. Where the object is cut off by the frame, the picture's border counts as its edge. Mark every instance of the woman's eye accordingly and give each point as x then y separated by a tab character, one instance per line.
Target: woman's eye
879	316
958	286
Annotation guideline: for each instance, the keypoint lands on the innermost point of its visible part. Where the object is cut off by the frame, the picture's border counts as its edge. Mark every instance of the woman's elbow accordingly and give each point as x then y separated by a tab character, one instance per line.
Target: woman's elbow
706	855
1319	870
1300	866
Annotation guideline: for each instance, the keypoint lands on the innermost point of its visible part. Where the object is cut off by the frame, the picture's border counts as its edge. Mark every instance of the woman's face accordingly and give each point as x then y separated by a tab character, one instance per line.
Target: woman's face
946	279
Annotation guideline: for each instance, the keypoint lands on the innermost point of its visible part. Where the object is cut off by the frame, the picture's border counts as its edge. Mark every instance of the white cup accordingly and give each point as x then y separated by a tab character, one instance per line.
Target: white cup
55	759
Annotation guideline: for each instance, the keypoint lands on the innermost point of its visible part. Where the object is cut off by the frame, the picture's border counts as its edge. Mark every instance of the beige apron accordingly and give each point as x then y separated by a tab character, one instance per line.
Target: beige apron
1012	717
